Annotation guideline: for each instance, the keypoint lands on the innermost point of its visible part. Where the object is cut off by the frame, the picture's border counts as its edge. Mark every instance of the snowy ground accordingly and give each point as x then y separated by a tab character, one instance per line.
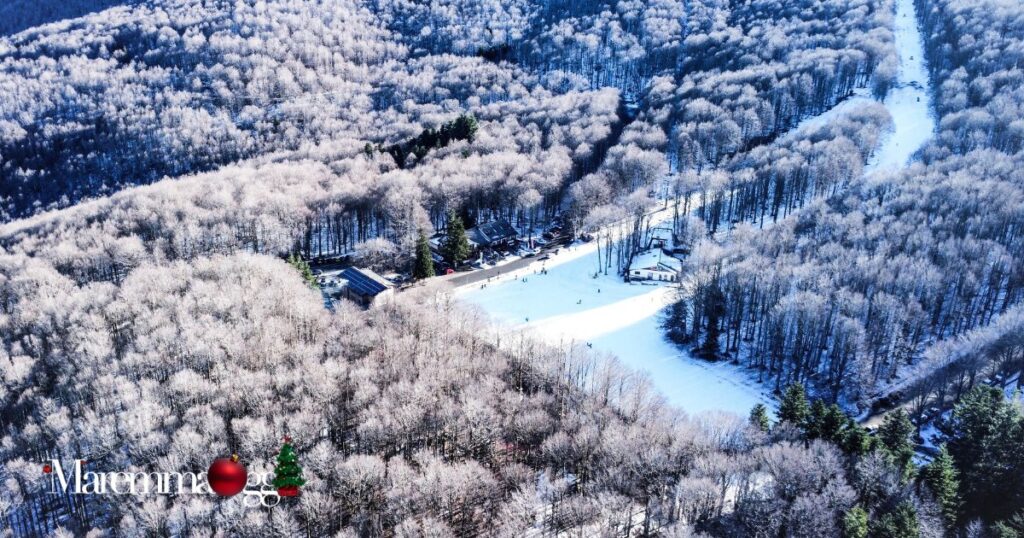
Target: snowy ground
568	304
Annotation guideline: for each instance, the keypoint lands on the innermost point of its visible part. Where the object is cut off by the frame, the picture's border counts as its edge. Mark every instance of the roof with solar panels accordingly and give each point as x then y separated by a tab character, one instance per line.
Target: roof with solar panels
365	281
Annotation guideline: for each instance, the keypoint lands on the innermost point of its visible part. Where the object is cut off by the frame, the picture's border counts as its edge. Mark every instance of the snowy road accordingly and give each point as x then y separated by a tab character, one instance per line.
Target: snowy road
568	304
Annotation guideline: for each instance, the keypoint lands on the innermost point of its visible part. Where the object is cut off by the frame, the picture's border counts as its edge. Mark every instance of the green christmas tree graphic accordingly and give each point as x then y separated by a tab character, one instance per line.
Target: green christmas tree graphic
288	473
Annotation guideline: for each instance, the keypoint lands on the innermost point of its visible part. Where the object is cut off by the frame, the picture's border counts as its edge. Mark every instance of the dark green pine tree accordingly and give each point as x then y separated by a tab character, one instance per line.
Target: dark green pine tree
302	266
940	477
465	127
714	309
827	422
855	523
676	321
423	267
856	440
455	247
899	523
1010	528
833	424
287	472
759	417
986	442
894	436
794	407
816	420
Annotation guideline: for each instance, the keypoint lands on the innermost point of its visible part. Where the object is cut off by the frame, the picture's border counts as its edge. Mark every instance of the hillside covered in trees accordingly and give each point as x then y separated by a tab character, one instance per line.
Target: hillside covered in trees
851	292
160	159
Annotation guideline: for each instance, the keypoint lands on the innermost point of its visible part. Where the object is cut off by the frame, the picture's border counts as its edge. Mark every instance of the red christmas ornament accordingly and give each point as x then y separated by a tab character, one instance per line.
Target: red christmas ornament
47	469
227	476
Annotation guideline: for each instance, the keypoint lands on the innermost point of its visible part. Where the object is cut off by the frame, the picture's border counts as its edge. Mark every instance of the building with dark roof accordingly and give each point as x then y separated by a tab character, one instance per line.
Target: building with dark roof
363	286
492	234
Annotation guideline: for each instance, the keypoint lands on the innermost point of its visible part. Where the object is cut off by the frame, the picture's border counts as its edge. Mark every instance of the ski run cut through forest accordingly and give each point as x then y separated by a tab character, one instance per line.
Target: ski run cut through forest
577	304
453	268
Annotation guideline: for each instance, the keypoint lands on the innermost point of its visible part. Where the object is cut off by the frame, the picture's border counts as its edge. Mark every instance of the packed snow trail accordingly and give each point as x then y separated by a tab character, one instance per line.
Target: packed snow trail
569	305
909	103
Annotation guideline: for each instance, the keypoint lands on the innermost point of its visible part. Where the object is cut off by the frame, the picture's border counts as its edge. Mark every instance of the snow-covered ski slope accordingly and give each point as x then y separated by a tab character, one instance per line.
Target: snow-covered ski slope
564	305
909	102
570	305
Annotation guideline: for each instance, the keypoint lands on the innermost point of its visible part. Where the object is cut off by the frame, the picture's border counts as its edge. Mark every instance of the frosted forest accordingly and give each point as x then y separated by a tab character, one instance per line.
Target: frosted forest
767	277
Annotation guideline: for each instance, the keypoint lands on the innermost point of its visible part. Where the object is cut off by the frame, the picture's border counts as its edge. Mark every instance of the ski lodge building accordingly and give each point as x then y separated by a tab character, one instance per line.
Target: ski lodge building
365	287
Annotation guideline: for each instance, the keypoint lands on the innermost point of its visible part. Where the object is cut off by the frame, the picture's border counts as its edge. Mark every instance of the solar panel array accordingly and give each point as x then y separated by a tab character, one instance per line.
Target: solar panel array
495	230
362	283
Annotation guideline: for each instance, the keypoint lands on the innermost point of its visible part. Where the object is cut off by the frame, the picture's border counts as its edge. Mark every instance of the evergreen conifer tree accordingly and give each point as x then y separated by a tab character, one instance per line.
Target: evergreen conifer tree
1010	528
465	127
423	267
940	477
986	442
759	417
856	440
794	407
676	321
455	247
834	424
899	523
894	436
714	306
855	523
302	266
816	420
